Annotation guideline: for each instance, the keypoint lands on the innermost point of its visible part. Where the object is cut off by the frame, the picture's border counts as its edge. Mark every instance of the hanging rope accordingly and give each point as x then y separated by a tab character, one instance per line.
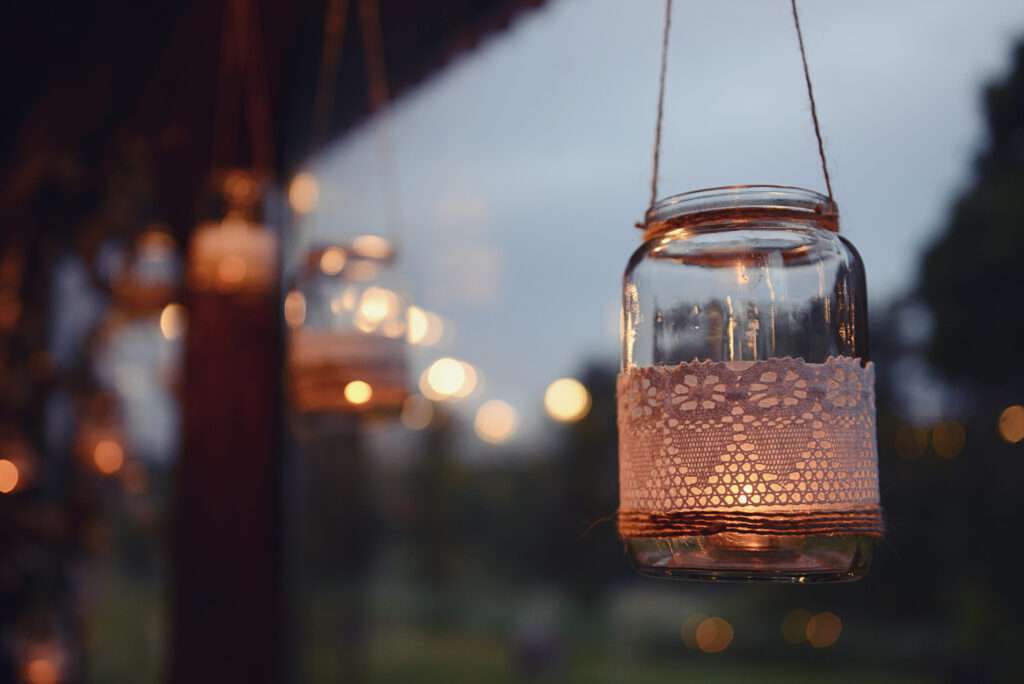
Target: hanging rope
661	101
810	96
377	77
335	25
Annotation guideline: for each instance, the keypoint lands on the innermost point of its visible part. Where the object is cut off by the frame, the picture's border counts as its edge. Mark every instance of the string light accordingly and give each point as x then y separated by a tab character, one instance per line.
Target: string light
173	321
304	193
332	261
823	630
714	635
567	400
1011	424
358	392
295	309
495	421
425	329
9	476
108	456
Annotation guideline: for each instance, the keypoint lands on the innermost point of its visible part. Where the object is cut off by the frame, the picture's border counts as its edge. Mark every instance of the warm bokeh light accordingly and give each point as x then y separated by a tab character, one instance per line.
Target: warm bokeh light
295	309
469	382
948	438
417	412
567	400
372	246
911	441
304	193
448	378
108	456
361	270
794	626
1011	424
9	476
231	269
155	244
689	629
358	392
495	421
346	301
378	304
173	320
823	630
424	328
42	671
332	261
714	635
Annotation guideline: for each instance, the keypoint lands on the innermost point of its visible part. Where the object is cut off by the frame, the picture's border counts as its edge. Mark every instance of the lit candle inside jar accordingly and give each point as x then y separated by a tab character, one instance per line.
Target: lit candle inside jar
232	256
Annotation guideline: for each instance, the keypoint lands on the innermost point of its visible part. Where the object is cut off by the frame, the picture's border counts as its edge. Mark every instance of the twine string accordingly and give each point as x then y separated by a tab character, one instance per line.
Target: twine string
377	78
810	96
661	101
335	26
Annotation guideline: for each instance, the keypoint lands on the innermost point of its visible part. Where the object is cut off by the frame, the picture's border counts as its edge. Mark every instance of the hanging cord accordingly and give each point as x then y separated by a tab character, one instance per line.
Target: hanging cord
661	102
229	89
335	26
259	120
810	96
377	76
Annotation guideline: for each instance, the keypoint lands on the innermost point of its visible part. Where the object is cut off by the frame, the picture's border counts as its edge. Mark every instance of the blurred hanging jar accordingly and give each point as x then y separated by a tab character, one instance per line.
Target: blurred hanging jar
347	320
746	399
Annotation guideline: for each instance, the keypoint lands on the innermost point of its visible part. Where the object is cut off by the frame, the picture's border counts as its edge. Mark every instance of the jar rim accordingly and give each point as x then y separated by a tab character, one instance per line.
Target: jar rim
741	202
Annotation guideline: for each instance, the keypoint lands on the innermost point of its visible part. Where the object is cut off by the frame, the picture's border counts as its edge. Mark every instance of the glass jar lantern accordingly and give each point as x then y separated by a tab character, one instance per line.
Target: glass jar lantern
346	348
746	399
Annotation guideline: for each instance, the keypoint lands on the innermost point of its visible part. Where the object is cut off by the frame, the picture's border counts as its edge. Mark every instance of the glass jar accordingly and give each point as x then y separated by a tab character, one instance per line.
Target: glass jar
746	404
347	320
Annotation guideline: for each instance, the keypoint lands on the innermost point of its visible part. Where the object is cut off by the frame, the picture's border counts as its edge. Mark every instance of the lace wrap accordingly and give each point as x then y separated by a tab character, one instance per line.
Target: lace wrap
779	446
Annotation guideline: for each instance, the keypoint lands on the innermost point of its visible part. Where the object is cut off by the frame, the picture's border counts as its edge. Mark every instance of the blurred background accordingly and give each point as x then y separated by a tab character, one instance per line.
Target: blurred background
309	332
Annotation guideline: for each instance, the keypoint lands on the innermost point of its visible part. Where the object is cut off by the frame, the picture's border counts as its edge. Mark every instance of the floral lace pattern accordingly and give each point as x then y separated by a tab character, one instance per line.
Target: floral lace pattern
779	432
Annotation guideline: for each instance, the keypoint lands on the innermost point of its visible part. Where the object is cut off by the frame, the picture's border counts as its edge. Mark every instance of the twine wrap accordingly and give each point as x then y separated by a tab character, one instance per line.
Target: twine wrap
775	447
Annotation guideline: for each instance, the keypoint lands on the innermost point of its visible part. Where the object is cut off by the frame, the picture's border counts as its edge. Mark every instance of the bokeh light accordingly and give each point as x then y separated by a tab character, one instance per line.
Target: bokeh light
424	328
417	412
794	626
372	246
304	193
358	392
108	456
378	304
361	270
567	400
948	438
714	635
823	629
173	321
1011	424
443	378
42	671
295	309
332	261
911	441
495	421
688	631
9	476
346	301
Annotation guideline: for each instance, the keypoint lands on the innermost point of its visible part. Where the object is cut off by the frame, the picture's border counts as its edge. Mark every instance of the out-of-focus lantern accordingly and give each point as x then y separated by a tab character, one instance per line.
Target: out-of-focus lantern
746	399
347	320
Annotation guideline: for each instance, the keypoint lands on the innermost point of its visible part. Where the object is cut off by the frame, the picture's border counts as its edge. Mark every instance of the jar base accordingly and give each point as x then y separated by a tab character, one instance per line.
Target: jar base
729	557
